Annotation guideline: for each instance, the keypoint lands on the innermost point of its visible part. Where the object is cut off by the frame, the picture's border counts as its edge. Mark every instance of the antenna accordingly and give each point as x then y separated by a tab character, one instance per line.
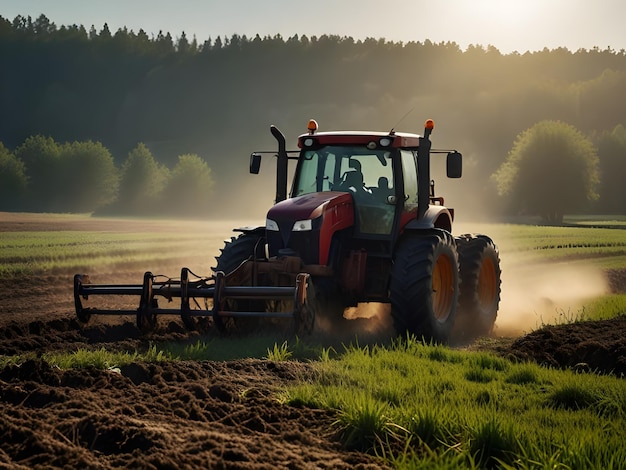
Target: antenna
393	129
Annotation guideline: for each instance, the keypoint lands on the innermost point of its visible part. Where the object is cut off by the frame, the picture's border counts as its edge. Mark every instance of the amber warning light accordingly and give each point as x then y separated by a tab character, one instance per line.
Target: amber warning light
430	124
312	126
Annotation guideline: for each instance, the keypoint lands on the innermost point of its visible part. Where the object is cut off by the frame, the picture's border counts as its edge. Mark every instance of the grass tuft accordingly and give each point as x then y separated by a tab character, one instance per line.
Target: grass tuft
523	375
428	427
572	397
363	423
85	358
492	444
279	353
479	375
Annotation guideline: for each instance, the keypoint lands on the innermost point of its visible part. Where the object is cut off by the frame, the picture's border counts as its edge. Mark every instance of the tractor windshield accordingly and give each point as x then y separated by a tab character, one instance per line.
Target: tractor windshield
341	168
366	174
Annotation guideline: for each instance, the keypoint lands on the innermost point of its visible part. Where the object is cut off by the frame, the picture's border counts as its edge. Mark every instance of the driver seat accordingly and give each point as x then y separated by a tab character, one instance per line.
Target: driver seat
353	181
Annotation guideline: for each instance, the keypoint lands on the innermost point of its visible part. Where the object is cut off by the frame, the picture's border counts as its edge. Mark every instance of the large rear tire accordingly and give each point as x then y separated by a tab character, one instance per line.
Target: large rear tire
424	286
237	250
479	297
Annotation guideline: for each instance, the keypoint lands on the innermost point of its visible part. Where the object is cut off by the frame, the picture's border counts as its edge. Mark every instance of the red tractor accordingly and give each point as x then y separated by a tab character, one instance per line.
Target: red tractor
361	224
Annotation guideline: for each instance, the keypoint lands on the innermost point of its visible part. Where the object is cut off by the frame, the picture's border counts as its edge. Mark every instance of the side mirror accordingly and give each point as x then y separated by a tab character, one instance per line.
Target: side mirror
454	165
255	163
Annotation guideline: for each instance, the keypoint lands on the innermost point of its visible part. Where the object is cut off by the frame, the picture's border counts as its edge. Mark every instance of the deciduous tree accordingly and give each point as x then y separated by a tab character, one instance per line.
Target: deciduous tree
188	189
142	180
90	178
612	153
551	169
42	165
12	180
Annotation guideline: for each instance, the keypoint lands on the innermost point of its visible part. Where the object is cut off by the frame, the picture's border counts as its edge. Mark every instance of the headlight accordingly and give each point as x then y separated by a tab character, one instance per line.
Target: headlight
302	225
271	225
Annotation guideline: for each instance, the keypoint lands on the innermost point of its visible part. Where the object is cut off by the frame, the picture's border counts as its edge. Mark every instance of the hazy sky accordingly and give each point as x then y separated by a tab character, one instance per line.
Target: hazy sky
509	25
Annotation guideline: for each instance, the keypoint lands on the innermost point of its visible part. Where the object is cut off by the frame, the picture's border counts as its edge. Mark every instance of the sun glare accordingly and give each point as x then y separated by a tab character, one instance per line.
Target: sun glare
507	24
504	12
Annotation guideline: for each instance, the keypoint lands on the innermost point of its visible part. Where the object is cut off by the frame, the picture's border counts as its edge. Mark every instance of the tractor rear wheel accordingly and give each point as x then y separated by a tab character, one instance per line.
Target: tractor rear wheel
239	249
479	297
424	285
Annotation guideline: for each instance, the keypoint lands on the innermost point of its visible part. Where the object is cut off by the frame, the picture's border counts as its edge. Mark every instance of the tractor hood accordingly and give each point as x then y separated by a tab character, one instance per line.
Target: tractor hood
309	206
305	225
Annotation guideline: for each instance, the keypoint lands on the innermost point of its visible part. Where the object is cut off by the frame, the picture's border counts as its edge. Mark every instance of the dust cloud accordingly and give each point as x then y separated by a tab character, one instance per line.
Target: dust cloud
367	323
536	293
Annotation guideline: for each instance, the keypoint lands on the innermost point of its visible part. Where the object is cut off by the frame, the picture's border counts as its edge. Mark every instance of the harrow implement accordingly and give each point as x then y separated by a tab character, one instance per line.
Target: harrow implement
225	300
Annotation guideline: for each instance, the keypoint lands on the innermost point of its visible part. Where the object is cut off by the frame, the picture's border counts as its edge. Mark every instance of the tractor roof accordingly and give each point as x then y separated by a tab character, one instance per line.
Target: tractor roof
395	139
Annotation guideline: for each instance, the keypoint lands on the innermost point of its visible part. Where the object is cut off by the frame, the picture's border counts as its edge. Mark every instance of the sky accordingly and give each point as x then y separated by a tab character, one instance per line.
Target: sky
509	25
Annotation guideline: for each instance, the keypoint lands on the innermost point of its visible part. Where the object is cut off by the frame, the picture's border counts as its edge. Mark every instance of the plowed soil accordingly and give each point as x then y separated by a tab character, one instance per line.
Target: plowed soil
190	414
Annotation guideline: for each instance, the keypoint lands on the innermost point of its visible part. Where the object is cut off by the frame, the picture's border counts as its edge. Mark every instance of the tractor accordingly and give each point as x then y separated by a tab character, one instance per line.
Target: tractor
361	224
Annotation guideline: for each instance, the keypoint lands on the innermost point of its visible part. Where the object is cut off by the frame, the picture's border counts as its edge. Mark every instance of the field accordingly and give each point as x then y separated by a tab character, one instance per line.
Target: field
104	396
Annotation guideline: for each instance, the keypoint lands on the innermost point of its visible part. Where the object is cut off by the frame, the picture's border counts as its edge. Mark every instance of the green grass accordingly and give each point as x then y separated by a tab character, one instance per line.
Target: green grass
259	345
103	359
279	353
608	221
604	308
468	410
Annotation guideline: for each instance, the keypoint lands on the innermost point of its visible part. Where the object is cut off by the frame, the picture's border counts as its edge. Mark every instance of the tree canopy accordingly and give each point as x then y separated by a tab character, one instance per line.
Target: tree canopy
142	181
551	169
46	176
41	158
13	181
612	152
89	178
188	189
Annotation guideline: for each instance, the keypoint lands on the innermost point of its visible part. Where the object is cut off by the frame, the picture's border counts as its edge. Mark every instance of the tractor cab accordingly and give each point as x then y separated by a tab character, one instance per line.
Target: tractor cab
353	185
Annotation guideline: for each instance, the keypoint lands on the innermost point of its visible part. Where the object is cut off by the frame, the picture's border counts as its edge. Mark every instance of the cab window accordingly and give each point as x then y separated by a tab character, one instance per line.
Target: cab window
409	175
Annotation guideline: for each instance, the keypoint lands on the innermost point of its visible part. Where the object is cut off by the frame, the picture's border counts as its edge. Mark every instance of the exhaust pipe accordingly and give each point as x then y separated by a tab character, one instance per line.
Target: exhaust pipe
281	165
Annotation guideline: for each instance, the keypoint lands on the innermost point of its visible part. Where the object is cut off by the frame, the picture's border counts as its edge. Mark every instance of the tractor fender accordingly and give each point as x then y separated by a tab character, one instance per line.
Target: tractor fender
435	217
251	229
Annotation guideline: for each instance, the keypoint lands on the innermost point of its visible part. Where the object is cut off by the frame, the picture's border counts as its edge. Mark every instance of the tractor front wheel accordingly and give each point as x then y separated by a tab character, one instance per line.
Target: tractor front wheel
246	246
424	285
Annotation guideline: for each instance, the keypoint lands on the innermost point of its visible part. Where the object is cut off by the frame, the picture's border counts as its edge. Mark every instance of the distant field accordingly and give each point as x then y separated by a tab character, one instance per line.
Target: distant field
34	244
55	244
42	243
600	242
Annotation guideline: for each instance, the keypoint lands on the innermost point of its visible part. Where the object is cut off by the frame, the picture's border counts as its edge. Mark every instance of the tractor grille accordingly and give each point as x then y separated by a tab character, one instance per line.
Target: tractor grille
304	244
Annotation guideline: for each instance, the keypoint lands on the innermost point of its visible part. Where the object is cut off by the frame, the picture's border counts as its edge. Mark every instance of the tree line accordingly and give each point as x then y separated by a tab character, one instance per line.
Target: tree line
45	176
217	98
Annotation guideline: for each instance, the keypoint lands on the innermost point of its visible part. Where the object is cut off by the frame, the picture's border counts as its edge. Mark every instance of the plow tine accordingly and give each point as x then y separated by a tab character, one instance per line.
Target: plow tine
186	289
